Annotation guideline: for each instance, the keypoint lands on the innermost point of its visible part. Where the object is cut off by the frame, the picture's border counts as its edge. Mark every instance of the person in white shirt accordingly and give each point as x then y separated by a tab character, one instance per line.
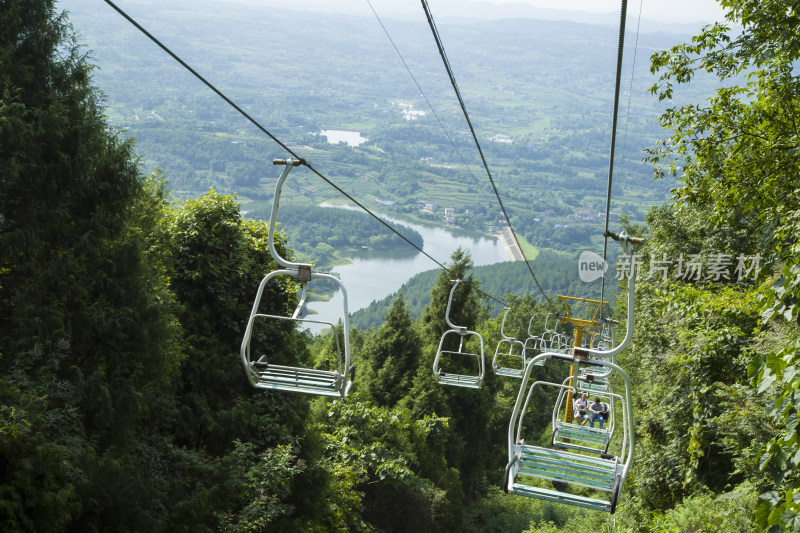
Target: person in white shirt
581	409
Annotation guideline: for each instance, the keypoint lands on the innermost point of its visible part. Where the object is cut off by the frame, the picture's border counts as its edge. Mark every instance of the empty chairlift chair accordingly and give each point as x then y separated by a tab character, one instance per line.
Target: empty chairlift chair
562	475
599	344
534	344
509	357
459	367
264	373
552	340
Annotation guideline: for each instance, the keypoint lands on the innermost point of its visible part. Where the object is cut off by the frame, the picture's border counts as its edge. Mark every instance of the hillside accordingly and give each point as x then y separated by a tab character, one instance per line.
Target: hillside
538	92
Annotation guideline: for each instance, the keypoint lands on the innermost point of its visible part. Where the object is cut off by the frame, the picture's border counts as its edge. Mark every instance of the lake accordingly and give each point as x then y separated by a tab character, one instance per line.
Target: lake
351	138
373	276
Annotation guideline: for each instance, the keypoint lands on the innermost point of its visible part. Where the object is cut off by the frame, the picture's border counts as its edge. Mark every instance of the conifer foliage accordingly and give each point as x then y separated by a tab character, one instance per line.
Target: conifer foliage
390	356
86	350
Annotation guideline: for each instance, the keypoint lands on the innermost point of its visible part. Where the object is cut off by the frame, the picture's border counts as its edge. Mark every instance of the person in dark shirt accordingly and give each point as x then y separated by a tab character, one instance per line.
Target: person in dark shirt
597	411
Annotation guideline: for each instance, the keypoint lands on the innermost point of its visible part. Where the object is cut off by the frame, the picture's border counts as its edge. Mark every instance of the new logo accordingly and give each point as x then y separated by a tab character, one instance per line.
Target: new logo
591	266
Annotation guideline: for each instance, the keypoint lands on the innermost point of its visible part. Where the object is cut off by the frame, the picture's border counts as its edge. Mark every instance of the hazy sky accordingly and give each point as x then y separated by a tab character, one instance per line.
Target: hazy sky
663	11
656	10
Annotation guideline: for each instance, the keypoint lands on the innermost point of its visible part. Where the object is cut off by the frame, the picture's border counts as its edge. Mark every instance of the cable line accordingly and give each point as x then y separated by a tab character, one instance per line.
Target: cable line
424	96
624	143
620	45
281	144
475	137
264	130
630	87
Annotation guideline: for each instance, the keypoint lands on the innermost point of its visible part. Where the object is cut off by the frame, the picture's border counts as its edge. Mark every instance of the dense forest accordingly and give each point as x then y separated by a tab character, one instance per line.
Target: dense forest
124	406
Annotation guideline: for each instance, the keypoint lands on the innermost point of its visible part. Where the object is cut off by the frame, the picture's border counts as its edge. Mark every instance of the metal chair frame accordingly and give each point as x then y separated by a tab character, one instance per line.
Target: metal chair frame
509	353
263	374
452	378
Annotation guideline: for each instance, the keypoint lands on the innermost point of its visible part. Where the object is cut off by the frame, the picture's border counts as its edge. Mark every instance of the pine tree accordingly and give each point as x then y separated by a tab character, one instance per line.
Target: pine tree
87	349
391	356
216	260
469	409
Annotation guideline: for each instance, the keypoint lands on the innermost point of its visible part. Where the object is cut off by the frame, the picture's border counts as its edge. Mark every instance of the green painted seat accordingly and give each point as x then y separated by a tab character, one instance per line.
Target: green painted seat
308	380
531	463
577	437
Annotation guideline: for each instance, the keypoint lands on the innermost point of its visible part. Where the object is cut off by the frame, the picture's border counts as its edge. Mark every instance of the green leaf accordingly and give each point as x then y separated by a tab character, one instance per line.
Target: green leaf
766	381
774	518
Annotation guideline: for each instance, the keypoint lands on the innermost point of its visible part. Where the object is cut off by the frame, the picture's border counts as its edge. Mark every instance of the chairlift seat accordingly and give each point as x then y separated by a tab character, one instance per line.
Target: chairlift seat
595	386
601	474
508	372
503	357
533	344
266	375
471	381
308	380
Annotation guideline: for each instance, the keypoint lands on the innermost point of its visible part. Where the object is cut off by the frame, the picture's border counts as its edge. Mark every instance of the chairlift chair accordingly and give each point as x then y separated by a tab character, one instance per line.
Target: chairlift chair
571	471
552	340
567	434
600	344
448	364
266	374
509	357
581	464
534	344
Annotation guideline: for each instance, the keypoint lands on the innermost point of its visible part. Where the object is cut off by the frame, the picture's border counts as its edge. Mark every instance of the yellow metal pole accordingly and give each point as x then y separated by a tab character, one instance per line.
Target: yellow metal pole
576	343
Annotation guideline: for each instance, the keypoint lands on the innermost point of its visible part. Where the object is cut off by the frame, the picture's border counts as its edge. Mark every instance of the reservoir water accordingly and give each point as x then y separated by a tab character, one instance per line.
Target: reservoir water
351	138
372	276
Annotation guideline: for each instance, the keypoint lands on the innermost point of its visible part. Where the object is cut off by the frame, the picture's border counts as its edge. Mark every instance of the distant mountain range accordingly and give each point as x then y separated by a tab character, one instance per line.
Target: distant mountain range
462	11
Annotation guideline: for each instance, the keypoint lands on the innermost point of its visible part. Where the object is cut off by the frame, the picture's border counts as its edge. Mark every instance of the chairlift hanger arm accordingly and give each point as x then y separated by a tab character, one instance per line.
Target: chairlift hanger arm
461	329
624	238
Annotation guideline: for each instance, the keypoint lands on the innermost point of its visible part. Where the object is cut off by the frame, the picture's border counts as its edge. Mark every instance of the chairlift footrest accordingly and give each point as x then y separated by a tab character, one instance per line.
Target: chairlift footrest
560	497
508	372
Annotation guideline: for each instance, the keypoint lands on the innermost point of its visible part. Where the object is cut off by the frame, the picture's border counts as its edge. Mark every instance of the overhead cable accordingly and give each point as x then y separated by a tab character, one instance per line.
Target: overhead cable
271	136
440	46
620	46
424	96
264	130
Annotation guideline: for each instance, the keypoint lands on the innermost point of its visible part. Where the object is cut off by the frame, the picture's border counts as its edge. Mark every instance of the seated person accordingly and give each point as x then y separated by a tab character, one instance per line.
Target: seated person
580	410
597	411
